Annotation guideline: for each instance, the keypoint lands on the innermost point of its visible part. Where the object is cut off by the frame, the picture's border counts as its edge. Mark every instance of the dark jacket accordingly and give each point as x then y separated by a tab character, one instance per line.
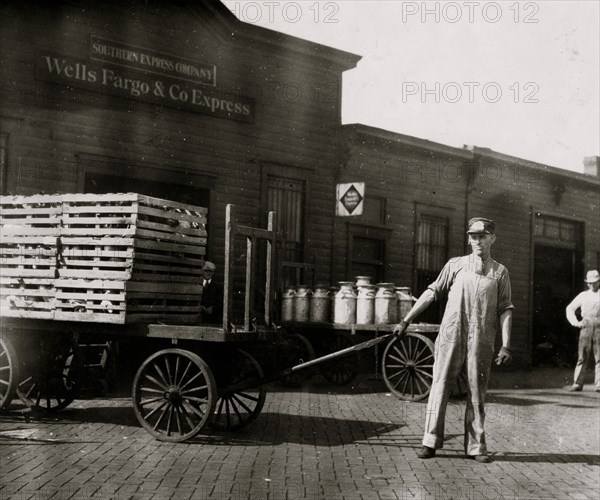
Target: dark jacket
212	295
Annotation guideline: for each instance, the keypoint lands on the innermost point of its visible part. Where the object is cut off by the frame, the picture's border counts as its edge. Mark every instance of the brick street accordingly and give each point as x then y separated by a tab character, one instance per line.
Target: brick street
318	442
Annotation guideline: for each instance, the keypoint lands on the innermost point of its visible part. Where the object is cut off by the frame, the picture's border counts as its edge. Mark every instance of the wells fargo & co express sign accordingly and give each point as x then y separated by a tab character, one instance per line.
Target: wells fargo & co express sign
142	74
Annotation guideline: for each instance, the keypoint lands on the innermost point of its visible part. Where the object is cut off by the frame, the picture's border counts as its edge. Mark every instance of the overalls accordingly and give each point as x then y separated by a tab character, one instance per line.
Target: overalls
466	340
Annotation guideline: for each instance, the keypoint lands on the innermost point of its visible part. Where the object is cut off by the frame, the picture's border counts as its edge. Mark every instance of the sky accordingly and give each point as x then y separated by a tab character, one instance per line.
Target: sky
521	78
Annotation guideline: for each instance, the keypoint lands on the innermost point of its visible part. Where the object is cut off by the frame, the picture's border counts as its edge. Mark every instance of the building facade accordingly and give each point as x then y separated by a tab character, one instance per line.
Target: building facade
182	101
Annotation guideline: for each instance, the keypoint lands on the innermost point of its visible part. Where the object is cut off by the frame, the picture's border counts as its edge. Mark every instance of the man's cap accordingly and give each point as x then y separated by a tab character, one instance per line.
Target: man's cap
209	266
481	225
592	276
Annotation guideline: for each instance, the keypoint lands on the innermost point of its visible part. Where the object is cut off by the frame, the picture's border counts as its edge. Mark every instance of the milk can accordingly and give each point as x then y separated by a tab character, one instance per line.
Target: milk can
302	303
362	280
386	307
344	310
319	304
405	301
287	304
365	304
333	290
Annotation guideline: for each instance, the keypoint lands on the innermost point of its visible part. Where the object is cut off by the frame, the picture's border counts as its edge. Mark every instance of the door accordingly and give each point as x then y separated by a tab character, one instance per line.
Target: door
554	339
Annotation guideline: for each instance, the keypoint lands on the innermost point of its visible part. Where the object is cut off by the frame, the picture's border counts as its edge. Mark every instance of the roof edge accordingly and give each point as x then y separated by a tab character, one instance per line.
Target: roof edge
490	153
406	140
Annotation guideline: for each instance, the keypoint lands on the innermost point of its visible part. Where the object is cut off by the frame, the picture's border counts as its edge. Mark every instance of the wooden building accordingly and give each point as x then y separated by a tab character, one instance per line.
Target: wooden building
419	196
177	100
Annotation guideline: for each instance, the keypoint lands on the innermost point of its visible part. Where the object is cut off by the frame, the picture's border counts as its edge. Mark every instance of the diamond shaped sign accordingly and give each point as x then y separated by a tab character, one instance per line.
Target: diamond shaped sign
350	198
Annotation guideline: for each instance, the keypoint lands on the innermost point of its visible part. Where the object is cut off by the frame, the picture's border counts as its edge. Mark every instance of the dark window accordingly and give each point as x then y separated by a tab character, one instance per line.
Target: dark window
432	254
554	228
367	251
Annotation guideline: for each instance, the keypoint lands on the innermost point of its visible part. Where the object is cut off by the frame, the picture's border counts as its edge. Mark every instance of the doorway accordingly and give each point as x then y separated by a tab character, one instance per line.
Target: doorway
554	339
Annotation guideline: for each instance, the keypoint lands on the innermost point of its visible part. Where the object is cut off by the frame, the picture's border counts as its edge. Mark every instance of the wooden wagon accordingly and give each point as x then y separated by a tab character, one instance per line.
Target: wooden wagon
78	268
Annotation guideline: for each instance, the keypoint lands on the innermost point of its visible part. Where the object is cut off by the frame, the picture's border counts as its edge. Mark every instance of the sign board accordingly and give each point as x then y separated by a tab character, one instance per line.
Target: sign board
141	74
350	198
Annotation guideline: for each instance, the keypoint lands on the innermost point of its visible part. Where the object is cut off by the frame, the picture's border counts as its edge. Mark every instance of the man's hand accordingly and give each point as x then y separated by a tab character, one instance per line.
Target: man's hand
504	356
400	329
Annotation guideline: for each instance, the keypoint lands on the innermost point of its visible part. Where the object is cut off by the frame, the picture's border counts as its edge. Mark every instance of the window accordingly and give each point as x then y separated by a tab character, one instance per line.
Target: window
557	229
367	252
431	255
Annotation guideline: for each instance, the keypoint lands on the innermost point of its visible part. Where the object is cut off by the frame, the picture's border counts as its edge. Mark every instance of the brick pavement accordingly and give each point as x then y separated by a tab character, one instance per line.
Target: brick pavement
318	442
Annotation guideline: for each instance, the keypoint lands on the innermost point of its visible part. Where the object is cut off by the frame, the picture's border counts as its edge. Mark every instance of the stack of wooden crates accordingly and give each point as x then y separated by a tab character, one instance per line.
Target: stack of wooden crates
110	258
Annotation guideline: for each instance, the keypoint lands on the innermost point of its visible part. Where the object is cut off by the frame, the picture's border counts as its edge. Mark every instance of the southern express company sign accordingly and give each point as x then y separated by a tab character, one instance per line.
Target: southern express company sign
142	74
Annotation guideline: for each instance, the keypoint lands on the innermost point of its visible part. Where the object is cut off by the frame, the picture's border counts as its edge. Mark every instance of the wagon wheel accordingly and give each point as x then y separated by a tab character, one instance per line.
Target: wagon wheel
408	367
53	384
342	370
297	349
174	393
460	389
238	406
9	372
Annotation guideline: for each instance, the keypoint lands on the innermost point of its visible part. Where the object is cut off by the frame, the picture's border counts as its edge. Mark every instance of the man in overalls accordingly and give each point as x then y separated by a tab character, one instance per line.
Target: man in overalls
479	302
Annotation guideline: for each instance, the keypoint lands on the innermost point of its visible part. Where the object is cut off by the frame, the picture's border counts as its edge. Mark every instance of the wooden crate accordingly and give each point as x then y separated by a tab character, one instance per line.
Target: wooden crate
130	259
37	215
28	256
113	301
29	230
133	215
27	297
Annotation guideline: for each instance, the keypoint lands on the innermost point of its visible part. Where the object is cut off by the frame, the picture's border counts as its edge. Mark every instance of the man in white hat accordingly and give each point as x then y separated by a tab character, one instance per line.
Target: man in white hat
588	303
479	302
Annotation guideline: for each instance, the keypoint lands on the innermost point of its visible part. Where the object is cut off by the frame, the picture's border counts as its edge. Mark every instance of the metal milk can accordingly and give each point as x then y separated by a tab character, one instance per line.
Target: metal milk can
319	304
287	304
333	290
344	309
405	301
302	303
365	304
362	281
386	307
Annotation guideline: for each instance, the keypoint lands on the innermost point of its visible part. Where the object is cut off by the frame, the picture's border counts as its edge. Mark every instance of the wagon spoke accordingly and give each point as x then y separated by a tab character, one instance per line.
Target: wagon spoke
400	360
187	368
406	377
168	367
178	420
162	415
201	388
198	400
397	373
150	401
190	381
424	372
157	408
227	412
150	389
161	374
186	415
156	382
176	371
197	411
242	404
235	408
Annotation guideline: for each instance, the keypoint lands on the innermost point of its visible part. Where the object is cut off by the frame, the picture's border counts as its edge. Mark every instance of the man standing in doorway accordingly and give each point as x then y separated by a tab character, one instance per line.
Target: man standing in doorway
212	296
588	303
479	300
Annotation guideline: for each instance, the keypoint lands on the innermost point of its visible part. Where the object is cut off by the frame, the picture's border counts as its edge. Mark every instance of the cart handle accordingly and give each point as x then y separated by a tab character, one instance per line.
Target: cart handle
255	382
